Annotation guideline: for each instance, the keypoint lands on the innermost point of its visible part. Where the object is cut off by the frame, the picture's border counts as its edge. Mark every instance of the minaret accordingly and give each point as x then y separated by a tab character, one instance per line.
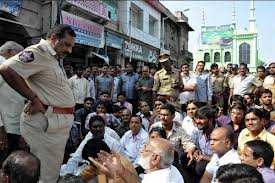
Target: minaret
252	19
203	19
233	15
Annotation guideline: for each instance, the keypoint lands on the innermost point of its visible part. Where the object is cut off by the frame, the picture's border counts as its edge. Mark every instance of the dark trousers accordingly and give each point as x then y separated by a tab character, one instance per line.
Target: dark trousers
13	145
193	172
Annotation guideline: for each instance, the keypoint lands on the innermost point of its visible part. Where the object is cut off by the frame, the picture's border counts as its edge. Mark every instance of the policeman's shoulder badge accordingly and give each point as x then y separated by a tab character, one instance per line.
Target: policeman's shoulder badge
26	56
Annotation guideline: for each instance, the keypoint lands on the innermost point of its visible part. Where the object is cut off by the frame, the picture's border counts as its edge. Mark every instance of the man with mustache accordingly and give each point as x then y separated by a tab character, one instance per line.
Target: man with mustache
37	74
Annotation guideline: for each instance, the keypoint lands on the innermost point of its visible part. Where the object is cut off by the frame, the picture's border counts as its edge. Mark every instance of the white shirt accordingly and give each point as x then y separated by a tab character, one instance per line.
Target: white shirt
112	133
91	84
11	106
185	96
215	162
132	145
80	88
2	59
190	128
242	85
178	117
72	165
167	175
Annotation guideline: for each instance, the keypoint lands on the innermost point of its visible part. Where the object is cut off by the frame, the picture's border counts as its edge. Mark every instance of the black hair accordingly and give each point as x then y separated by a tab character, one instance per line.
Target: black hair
205	113
116	108
93	147
214	65
96	118
184	63
251	95
261	149
229	64
203	62
255	111
161	100
89	98
122	93
231	173
105	93
118	65
153	67
196	103
243	64
70	178
265	91
239	106
60	31
261	67
236	97
22	167
169	107
160	130
78	67
137	116
101	103
105	65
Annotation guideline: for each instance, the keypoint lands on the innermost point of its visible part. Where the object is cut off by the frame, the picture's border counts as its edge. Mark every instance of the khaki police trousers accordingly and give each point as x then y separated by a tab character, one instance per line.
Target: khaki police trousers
47	135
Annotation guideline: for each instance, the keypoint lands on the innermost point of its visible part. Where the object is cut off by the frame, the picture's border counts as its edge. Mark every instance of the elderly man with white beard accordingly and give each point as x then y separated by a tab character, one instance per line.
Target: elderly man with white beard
156	158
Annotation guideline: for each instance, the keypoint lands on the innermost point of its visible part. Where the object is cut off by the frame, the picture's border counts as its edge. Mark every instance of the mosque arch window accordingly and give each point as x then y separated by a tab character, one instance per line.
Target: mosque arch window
217	57
206	57
227	56
244	53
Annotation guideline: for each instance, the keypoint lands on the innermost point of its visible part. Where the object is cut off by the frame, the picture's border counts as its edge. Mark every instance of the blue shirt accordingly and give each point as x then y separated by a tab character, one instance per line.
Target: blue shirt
128	85
204	90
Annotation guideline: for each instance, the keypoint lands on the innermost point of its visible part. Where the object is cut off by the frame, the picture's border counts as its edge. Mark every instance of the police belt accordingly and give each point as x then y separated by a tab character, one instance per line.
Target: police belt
60	110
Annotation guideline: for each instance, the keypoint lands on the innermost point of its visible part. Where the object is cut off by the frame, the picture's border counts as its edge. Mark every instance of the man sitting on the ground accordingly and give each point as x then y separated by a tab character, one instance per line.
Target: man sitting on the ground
97	130
224	153
91	149
157	157
133	140
259	154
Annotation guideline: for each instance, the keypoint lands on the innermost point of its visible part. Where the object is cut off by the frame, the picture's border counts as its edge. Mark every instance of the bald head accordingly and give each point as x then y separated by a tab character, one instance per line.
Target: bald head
221	141
165	149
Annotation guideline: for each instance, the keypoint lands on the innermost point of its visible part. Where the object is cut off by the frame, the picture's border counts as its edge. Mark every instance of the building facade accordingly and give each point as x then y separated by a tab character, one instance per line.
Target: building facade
226	44
109	31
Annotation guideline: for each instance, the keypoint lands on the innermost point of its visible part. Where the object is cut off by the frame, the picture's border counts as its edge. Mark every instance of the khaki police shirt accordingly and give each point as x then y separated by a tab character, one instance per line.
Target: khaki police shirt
218	83
164	81
44	74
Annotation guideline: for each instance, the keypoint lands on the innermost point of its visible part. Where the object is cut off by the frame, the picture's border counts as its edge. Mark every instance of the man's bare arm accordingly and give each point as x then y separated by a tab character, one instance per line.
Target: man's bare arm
16	82
206	178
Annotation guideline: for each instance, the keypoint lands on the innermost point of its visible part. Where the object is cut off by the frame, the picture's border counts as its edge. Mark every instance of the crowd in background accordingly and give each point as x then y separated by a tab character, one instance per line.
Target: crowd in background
158	124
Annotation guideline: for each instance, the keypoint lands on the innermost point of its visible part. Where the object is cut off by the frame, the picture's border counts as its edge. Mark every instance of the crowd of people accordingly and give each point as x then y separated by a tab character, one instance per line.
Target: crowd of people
73	123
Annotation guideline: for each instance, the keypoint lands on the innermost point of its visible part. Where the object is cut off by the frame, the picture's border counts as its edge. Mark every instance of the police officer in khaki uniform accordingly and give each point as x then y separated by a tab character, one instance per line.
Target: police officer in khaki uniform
167	82
37	74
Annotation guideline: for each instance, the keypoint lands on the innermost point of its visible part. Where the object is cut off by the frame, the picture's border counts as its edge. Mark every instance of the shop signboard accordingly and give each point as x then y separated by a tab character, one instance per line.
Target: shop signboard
87	32
95	7
140	52
113	41
12	7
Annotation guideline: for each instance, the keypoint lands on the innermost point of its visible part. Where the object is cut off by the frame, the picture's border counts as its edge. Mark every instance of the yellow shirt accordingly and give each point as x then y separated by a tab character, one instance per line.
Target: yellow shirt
246	136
